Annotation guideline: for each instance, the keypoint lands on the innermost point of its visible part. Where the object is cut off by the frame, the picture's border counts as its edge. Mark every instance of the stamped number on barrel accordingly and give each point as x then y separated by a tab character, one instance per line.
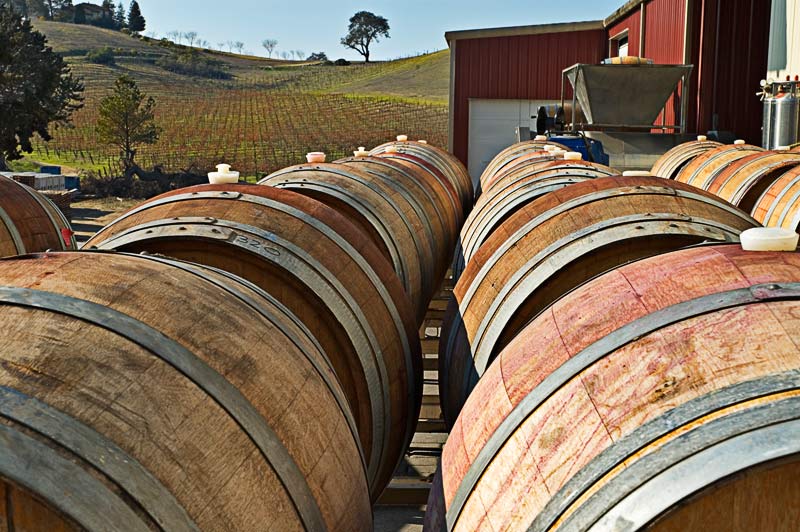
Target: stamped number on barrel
254	244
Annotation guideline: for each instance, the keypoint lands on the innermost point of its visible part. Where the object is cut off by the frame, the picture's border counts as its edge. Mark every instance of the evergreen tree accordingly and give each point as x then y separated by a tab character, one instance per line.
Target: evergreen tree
79	17
36	87
135	19
119	16
127	119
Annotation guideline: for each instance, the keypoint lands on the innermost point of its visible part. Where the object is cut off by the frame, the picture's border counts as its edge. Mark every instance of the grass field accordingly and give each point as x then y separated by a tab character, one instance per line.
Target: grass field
267	116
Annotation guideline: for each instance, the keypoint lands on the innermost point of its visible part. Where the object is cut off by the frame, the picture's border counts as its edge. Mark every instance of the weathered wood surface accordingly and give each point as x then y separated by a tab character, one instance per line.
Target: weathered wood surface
701	170
602	401
512	153
744	181
445	162
29	222
779	205
554	244
324	269
669	164
512	191
185	427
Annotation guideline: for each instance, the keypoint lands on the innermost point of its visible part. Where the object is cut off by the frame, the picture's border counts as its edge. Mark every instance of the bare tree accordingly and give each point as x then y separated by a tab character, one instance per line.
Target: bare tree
300	54
220	45
174	35
239	45
190	36
285	55
204	44
229	44
269	45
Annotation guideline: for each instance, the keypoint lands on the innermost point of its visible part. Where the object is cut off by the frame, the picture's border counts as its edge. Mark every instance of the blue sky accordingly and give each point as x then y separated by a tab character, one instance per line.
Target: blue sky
317	25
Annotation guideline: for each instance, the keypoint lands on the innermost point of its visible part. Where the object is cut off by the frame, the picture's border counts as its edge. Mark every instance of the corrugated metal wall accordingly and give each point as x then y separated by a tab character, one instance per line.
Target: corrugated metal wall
731	48
632	23
663	42
524	67
785	39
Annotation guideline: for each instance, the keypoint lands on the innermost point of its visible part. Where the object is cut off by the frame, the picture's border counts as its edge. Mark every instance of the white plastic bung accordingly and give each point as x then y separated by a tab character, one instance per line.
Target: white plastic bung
573	156
391	149
422	141
769	239
738	142
702	138
402	138
540	138
223	175
315	157
636	173
781	148
361	152
549	147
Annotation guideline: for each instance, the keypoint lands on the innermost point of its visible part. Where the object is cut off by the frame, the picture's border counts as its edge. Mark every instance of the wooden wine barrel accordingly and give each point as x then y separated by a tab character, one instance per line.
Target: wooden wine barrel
556	243
29	222
779	205
663	393
383	209
427	197
512	192
139	393
445	162
701	170
745	180
669	164
521	161
323	269
513	152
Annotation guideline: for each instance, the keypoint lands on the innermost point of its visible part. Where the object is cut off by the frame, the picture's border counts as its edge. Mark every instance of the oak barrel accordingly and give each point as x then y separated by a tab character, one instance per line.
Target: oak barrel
662	394
139	393
701	170
321	267
509	155
779	205
30	222
669	164
556	243
511	192
383	209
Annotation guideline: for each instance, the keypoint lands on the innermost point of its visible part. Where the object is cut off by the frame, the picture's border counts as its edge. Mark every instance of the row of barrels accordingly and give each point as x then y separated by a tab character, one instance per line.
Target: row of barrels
613	360
229	356
764	183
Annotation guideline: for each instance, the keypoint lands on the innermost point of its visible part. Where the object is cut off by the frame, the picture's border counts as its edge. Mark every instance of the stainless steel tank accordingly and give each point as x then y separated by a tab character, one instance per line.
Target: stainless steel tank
781	114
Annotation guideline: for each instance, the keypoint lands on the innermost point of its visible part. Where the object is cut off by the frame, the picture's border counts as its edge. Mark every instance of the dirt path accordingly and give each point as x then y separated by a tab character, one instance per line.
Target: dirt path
91	215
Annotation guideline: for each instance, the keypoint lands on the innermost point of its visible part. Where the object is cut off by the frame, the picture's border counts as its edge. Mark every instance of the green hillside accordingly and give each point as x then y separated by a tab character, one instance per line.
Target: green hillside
267	114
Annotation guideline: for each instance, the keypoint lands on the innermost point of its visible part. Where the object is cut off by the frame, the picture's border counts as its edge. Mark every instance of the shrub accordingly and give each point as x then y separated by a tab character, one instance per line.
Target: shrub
101	56
191	63
341	62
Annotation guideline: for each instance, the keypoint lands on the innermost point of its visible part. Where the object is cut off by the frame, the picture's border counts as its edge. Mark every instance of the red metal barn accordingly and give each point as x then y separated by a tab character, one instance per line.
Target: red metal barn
726	41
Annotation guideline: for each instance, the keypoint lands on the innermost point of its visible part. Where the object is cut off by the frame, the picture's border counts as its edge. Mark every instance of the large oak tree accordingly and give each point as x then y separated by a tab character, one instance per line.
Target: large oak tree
365	29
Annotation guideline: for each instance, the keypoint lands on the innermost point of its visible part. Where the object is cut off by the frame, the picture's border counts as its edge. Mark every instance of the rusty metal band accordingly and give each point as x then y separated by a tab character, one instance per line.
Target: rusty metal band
659	429
194	369
370	212
16	238
597	351
39	469
99	452
326	372
315	276
49	208
430	199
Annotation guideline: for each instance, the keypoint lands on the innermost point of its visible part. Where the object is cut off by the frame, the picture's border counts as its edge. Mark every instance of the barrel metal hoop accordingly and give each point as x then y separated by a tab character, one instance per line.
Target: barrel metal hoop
528	277
101	453
659	428
19	244
38	468
399	262
433	169
786	211
215	385
325	373
706	468
313	274
730	150
267	251
751	179
48	207
600	349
